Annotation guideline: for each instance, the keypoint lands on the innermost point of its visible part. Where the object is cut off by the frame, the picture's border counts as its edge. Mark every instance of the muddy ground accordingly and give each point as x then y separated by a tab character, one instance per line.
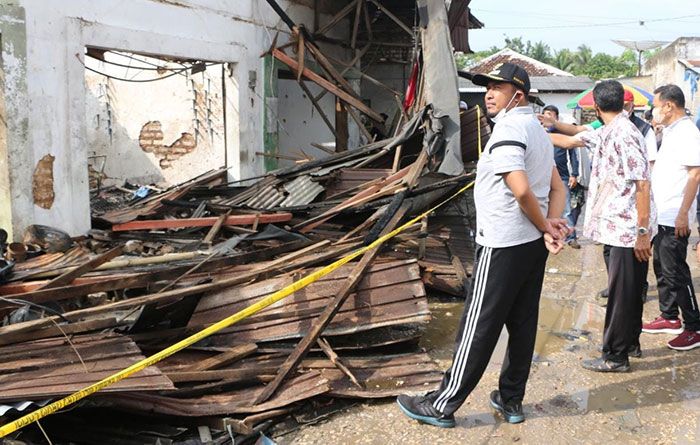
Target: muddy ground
657	403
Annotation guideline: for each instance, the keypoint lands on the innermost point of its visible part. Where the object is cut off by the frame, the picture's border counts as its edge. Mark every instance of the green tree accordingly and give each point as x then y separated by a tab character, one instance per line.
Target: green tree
564	59
539	51
584	54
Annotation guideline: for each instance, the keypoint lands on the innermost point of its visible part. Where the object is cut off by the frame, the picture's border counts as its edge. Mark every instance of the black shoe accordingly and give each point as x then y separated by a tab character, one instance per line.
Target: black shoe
511	411
421	408
602	365
633	351
603	293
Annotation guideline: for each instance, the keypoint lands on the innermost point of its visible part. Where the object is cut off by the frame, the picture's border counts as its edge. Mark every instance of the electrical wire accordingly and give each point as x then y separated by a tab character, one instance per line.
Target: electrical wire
20	302
597	25
174	73
145	68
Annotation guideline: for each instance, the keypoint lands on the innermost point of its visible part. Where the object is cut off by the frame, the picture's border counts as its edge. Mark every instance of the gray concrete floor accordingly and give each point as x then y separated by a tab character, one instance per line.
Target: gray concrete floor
658	402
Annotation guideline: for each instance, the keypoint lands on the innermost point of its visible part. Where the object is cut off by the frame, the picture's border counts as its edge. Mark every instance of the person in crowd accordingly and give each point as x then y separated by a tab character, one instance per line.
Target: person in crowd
519	200
620	214
675	180
567	165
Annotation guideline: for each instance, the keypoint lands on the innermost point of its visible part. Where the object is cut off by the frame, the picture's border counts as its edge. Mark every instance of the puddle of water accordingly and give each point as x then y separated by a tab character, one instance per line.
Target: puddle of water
562	324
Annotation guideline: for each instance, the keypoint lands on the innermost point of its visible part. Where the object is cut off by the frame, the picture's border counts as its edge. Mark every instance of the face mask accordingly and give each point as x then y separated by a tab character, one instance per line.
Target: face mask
656	115
504	110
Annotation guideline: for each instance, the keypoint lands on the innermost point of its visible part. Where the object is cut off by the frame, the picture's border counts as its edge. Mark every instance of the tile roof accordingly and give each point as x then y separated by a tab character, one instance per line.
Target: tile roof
532	66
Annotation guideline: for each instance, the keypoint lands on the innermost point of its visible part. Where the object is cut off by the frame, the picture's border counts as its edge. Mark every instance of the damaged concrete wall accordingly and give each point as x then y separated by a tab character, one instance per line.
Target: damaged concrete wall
166	131
47	114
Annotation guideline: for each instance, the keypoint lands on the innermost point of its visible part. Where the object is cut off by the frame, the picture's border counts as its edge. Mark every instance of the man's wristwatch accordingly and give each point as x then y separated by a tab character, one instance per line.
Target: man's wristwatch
642	231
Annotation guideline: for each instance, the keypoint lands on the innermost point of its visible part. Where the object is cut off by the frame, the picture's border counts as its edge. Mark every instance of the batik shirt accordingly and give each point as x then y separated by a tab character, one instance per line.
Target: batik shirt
618	158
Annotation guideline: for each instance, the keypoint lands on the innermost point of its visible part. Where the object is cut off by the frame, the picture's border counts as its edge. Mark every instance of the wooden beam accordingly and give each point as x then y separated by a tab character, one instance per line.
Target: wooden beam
333	357
234	220
393	17
368	23
68	277
323	83
356	25
359	123
336	18
225	358
341	126
323	320
216	227
330	70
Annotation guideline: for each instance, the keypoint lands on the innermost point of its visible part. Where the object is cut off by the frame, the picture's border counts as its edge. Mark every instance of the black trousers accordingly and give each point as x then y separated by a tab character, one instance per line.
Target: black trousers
505	290
606	258
673	278
623	315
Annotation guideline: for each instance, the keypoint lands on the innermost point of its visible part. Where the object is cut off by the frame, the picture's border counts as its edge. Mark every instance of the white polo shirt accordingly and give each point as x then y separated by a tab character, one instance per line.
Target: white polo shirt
680	149
518	142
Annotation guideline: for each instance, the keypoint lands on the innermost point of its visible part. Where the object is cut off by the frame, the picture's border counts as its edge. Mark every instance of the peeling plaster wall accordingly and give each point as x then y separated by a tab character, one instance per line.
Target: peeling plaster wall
48	109
167	131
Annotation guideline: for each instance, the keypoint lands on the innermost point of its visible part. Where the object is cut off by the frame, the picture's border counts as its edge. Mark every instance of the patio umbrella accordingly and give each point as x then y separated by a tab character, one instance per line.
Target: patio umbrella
585	99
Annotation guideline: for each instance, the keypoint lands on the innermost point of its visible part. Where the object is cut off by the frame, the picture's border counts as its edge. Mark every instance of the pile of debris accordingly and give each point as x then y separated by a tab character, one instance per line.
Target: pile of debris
161	265
165	266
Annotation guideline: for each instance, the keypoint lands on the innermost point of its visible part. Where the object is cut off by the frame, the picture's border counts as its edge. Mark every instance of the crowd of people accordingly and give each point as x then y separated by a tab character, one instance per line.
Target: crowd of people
640	203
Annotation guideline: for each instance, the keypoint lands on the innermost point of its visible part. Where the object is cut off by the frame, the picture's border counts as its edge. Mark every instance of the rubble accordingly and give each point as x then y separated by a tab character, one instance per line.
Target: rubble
160	266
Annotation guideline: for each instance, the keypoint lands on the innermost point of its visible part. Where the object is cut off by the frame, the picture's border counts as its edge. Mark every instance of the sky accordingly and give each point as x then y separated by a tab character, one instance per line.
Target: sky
568	24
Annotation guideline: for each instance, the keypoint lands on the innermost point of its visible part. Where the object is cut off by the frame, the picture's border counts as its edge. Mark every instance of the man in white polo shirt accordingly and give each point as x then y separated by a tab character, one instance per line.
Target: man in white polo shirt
519	199
674	182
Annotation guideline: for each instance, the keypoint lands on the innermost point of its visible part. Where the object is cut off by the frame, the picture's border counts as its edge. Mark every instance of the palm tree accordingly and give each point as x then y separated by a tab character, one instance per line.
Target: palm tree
540	51
583	56
564	60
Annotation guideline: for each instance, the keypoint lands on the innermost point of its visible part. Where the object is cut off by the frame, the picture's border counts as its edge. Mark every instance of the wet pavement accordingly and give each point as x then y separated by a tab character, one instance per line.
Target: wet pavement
658	402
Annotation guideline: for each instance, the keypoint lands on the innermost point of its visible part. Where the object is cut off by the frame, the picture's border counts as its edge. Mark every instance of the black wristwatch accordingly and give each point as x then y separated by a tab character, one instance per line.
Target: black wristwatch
642	231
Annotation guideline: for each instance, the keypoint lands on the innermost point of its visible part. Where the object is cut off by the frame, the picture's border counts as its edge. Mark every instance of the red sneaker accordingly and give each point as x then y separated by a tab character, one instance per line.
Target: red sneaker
686	341
663	326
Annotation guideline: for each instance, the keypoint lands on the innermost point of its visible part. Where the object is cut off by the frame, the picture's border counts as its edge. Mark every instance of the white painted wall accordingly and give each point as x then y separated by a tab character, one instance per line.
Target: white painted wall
299	123
57	33
117	111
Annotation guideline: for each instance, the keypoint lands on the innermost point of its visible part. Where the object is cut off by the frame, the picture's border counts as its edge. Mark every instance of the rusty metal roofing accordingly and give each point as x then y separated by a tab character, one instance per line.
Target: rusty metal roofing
300	191
268	198
51	367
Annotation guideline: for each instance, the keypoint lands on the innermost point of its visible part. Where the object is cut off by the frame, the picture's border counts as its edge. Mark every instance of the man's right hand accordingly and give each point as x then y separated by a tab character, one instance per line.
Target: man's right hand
554	246
547	121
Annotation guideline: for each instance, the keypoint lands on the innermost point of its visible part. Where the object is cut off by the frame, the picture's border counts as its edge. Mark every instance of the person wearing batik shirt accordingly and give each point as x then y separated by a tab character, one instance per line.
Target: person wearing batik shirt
621	214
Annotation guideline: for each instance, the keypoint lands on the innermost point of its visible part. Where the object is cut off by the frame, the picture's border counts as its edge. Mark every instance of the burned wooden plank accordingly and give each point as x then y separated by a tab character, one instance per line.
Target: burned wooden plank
69	276
47	368
327	316
323	83
232	220
239	401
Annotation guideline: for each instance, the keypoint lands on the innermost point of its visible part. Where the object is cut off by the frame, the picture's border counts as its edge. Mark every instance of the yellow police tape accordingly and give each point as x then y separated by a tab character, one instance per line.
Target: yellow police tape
247	312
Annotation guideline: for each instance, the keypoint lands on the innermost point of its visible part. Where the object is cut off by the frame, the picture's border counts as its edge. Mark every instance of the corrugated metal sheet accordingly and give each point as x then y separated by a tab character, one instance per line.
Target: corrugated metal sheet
301	191
267	198
21	406
51	367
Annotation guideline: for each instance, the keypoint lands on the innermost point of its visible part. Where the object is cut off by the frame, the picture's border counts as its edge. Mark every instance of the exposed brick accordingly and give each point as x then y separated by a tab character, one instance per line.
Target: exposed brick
42	182
151	141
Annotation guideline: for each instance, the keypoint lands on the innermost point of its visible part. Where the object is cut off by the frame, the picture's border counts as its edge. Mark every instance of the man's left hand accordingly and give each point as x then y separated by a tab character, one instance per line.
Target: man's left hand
682	226
572	182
